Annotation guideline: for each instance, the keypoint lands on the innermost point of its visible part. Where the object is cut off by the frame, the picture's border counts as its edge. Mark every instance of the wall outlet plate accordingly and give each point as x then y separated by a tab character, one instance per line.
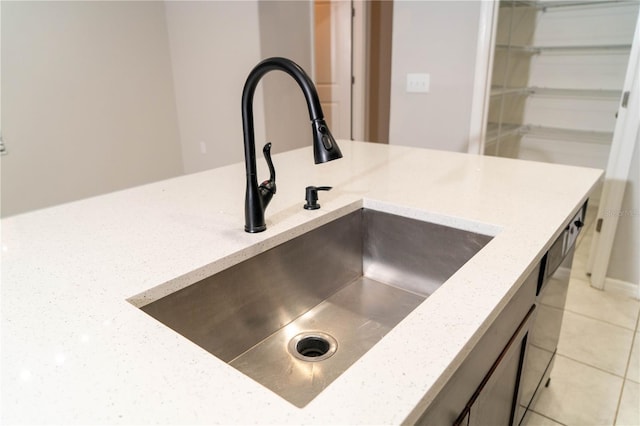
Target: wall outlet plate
418	82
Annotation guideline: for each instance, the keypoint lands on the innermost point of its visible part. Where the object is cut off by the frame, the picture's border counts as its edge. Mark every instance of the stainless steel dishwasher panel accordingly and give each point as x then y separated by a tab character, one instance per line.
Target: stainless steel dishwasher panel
553	285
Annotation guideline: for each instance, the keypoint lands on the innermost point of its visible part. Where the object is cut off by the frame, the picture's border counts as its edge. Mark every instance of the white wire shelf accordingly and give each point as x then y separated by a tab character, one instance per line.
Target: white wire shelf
542	4
536	50
576	93
584	136
557	92
497	132
499	91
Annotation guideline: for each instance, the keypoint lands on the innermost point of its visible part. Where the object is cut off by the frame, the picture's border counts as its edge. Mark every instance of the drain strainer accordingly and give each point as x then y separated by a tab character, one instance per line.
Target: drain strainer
313	346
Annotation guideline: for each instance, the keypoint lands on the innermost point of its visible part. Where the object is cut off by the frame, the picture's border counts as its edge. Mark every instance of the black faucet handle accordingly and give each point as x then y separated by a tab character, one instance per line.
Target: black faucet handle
312	196
270	184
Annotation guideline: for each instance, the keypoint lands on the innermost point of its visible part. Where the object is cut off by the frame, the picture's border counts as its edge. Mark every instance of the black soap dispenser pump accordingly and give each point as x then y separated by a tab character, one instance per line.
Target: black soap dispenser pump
312	196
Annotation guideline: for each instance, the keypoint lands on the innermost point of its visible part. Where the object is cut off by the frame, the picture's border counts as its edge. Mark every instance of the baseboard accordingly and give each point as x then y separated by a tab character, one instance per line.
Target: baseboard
623	288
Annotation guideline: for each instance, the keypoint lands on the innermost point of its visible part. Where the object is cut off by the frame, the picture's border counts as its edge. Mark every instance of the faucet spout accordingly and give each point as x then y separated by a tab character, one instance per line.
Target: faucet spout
325	147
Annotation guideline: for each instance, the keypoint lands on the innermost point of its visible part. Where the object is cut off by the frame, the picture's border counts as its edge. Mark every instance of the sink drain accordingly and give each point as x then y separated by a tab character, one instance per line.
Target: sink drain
313	346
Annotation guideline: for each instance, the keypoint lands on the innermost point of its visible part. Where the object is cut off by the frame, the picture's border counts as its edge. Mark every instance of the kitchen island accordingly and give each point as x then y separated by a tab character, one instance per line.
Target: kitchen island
76	348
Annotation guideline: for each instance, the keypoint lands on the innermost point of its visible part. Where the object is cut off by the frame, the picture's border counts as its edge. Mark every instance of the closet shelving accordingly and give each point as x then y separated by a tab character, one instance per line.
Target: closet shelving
497	131
542	4
536	50
517	47
501	130
550	91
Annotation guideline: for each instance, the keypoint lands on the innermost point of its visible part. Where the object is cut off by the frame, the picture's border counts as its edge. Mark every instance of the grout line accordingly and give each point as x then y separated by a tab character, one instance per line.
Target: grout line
633	340
626	371
590	366
633	330
548	418
615	417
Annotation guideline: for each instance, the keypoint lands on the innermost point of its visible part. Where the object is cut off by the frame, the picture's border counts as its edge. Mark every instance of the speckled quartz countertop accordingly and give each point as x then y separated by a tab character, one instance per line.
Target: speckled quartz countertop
76	349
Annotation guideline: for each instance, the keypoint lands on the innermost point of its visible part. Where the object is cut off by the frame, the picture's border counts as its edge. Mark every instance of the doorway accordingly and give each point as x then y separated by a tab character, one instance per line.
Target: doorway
333	63
558	95
352	55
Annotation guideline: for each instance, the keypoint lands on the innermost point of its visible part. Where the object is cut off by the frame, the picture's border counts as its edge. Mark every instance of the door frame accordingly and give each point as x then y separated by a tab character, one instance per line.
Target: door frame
338	45
487	27
625	136
359	57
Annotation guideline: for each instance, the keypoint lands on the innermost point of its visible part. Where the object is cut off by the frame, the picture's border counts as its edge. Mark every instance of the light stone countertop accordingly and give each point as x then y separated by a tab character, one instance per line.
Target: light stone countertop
75	349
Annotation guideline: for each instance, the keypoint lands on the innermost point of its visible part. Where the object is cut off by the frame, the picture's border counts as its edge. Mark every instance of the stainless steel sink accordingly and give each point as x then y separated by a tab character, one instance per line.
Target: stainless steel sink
297	316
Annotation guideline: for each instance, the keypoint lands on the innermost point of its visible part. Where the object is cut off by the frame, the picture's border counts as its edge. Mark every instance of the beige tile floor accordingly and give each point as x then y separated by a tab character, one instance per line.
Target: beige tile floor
595	380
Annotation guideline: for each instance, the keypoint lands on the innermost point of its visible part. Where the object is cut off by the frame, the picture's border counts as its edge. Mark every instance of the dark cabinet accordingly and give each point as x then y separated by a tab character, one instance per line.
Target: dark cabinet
495	401
484	389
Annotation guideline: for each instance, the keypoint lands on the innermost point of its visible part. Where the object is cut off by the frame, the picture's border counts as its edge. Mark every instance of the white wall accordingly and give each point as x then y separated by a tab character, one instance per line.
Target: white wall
438	38
213	47
285	30
87	99
101	96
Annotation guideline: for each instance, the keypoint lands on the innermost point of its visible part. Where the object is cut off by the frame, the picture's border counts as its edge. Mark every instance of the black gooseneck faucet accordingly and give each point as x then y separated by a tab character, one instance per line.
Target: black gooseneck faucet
325	147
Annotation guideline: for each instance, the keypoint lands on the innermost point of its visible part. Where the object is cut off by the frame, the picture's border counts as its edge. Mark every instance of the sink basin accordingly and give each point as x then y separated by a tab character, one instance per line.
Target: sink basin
298	315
